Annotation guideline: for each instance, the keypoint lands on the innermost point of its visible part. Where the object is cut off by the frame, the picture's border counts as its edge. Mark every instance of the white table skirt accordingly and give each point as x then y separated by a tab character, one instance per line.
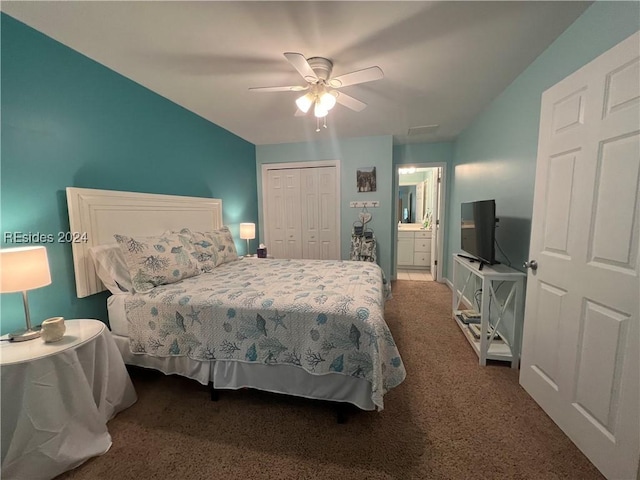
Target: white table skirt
55	408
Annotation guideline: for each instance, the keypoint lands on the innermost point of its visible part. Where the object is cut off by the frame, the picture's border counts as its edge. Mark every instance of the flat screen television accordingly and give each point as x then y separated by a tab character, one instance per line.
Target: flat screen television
478	230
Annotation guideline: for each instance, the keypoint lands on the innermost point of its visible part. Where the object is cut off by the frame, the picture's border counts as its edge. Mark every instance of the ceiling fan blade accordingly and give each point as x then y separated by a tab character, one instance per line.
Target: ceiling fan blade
299	113
359	76
350	102
302	66
291	88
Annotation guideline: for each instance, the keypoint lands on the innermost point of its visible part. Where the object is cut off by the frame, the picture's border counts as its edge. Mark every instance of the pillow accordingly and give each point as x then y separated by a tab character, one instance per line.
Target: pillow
212	248
111	267
160	260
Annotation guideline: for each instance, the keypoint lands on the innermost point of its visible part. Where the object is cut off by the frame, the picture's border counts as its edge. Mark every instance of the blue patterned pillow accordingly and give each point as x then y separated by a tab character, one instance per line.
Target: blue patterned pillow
160	260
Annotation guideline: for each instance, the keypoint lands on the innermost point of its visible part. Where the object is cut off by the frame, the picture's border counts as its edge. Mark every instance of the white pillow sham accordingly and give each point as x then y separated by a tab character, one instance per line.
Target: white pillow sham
112	268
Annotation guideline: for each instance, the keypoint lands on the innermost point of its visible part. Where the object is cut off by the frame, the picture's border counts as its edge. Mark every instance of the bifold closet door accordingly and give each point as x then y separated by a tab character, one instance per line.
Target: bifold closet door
318	191
284	213
301	213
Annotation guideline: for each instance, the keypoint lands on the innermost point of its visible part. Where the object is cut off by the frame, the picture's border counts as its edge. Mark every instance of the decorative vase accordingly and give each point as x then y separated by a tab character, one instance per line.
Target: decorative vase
53	329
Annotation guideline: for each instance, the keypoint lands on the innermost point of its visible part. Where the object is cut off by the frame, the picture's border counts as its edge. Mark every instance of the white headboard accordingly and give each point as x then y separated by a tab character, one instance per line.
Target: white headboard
103	213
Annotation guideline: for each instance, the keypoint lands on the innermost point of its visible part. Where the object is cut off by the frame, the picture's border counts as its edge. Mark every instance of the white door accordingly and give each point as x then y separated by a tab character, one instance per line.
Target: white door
274	212
283	213
580	354
310	215
319	233
328	216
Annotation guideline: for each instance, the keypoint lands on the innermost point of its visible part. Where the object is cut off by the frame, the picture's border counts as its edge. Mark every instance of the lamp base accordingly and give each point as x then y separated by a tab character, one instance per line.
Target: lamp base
25	334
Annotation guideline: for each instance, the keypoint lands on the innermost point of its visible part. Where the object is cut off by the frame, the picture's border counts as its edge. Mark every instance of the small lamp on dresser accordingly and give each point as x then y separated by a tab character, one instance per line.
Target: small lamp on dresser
248	232
22	269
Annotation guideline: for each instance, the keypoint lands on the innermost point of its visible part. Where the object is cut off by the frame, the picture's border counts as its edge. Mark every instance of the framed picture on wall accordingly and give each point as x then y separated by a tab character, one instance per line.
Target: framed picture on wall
366	179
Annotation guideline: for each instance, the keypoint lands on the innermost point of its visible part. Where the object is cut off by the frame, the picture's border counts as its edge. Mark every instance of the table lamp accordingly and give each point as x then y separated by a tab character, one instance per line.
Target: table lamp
248	232
22	269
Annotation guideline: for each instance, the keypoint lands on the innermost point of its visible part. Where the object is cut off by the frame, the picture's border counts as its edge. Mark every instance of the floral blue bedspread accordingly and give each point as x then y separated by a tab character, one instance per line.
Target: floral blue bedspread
322	316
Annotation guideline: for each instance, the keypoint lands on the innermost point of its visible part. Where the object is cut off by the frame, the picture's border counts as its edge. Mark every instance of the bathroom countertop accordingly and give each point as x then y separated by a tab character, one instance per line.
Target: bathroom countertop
412	227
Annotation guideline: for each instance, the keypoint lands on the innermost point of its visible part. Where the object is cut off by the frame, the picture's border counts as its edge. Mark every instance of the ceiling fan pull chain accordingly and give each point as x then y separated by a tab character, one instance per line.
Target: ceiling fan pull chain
324	122
317	124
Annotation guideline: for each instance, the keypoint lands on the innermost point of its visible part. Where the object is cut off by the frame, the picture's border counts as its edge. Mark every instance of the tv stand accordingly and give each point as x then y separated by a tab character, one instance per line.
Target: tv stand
493	345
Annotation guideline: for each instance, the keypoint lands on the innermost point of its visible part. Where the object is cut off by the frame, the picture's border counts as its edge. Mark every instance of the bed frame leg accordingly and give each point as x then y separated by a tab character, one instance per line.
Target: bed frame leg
214	393
341	414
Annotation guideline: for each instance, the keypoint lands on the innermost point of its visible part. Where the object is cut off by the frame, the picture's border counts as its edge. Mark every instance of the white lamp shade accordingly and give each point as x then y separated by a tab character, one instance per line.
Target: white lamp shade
23	268
247	231
319	111
328	101
304	102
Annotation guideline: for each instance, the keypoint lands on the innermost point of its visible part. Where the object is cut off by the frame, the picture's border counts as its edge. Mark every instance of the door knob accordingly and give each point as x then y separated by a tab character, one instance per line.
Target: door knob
532	264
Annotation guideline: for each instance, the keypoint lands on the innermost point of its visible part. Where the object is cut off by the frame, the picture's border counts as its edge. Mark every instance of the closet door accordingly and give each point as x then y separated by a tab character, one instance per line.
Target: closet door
319	222
301	213
284	213
310	213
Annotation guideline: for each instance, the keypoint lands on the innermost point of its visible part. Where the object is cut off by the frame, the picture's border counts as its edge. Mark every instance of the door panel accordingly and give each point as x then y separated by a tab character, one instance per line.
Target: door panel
558	208
603	329
615	236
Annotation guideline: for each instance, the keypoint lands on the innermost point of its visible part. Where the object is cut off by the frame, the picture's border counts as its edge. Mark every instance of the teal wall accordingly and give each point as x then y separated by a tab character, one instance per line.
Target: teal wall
423	153
352	154
69	121
495	157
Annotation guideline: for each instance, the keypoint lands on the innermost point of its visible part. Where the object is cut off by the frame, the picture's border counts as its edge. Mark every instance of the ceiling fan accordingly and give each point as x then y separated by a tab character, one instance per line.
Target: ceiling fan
322	89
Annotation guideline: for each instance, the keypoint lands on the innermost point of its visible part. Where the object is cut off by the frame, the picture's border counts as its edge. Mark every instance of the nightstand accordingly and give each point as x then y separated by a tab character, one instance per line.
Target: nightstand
57	398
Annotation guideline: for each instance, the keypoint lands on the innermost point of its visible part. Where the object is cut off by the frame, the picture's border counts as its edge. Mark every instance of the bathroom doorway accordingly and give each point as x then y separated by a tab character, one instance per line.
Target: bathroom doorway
418	214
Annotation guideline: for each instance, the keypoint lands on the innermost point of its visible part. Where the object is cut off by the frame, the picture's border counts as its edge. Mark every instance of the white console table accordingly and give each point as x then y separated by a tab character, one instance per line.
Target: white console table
487	347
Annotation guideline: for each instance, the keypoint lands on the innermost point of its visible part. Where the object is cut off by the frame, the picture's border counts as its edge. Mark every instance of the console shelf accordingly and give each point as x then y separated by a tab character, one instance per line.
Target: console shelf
465	273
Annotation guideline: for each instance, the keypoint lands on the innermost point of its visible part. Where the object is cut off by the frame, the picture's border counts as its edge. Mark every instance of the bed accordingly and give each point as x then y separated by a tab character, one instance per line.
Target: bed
310	328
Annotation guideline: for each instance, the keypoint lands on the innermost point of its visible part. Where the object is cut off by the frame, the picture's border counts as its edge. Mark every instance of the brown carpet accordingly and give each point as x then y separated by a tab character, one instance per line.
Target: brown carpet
450	419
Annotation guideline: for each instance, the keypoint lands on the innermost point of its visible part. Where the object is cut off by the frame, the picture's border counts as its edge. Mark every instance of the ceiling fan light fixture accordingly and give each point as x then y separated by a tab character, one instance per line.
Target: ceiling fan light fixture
319	111
327	100
322	87
305	101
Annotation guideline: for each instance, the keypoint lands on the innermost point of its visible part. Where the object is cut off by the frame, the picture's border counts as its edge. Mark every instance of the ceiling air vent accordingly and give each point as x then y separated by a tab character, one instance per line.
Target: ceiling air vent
422	130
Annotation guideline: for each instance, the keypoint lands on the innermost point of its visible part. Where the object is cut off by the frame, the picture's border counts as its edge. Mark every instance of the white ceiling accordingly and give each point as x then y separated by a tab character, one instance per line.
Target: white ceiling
443	61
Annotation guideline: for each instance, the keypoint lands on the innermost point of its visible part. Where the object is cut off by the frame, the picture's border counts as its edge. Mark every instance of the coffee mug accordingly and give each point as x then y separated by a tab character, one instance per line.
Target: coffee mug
53	329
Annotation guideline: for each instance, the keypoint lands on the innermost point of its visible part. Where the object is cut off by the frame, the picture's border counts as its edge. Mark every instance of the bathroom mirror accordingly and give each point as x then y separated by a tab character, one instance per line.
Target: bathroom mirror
407	204
414	194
